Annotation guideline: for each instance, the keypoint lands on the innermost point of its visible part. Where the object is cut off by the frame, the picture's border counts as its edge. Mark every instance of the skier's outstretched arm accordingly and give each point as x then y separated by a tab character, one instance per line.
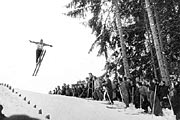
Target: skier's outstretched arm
33	42
47	45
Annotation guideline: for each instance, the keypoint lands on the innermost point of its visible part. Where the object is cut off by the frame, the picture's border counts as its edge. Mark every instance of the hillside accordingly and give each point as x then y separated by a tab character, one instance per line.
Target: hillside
56	107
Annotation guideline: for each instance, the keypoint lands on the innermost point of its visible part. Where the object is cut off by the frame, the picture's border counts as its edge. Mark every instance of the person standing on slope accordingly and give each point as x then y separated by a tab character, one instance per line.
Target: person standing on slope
108	85
39	49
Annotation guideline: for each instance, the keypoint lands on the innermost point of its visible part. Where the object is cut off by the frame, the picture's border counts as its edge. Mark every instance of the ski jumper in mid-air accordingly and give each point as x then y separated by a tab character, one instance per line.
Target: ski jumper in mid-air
39	49
40	53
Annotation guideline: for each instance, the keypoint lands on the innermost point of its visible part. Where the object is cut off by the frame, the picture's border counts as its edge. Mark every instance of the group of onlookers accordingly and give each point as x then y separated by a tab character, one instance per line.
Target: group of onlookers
150	95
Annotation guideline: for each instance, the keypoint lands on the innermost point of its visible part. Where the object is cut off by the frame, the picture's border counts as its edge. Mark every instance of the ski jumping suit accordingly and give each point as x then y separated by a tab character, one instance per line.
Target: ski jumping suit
39	50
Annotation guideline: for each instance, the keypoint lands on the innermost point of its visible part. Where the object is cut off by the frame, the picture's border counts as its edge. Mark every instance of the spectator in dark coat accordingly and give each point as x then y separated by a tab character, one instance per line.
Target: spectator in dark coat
175	100
143	89
157	107
108	85
90	85
116	91
163	95
63	89
68	91
137	95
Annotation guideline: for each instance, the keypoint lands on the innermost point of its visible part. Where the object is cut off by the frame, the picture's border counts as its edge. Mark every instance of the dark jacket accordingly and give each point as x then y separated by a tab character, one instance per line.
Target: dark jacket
107	84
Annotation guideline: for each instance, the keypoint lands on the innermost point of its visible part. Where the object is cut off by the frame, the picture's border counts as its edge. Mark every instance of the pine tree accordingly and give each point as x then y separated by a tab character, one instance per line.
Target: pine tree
103	26
123	47
157	44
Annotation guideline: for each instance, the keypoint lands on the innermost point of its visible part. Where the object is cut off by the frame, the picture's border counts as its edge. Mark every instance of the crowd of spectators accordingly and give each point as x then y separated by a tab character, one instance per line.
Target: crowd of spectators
150	95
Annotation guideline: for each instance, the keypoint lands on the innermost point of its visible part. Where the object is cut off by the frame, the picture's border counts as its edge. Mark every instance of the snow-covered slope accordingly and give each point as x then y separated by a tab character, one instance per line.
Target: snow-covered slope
56	107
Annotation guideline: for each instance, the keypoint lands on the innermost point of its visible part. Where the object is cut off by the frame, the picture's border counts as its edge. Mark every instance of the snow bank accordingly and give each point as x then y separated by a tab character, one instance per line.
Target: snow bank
57	107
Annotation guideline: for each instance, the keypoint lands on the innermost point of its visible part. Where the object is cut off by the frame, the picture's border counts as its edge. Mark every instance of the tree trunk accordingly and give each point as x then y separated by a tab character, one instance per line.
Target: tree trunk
156	42
150	45
123	47
161	45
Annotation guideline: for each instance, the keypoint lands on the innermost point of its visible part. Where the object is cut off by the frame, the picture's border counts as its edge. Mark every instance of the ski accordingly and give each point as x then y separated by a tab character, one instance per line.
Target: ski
114	107
39	63
35	69
138	113
41	59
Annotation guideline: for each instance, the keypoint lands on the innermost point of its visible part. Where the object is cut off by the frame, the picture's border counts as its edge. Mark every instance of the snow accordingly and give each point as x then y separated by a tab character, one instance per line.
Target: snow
69	108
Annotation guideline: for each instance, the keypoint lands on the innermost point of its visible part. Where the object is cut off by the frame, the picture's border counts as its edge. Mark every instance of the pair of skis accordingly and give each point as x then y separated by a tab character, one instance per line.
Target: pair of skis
38	64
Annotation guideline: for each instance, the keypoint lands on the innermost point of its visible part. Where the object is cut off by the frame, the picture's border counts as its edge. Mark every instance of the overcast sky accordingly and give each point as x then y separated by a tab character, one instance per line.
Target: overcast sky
67	61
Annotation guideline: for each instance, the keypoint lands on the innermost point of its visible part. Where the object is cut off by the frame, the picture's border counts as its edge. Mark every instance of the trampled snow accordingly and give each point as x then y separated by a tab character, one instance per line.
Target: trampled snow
57	107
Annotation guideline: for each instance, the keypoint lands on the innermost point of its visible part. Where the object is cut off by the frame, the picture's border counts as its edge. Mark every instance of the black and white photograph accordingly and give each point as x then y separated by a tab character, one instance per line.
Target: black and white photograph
90	59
